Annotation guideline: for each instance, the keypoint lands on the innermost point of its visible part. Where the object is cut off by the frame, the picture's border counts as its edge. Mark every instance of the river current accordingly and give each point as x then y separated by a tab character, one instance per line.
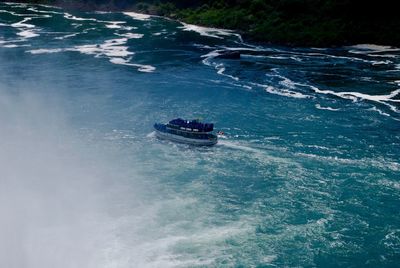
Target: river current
306	175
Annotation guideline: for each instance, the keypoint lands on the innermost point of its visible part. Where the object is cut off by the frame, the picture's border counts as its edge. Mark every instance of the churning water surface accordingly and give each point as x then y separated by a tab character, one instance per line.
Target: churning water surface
307	174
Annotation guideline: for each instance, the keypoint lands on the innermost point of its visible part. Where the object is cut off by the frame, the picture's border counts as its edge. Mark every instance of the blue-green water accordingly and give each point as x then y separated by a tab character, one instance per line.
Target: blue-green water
307	175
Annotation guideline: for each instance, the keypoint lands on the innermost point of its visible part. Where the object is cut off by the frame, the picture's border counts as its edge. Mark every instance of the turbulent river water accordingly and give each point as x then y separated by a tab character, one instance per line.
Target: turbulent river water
307	174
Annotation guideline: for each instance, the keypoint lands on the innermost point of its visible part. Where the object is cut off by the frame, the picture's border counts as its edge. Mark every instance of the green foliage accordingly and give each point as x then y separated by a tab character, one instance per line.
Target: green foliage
301	22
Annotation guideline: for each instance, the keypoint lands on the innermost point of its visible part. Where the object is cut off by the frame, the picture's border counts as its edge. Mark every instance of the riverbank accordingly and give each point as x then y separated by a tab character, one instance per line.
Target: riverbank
290	22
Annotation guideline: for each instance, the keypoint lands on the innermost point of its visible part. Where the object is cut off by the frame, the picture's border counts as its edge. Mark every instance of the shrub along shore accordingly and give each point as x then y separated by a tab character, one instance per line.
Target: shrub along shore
320	23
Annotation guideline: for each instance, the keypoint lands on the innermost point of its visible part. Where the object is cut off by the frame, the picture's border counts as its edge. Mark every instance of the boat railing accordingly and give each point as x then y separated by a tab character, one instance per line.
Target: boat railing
194	124
186	129
190	134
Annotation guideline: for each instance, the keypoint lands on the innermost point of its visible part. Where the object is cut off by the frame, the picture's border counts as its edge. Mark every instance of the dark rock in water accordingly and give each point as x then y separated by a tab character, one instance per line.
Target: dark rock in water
229	54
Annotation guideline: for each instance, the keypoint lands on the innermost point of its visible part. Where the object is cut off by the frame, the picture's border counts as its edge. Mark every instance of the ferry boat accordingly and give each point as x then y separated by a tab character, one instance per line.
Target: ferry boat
190	132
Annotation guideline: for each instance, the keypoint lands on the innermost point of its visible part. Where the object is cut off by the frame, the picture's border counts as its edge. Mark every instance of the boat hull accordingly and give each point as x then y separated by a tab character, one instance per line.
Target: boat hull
180	139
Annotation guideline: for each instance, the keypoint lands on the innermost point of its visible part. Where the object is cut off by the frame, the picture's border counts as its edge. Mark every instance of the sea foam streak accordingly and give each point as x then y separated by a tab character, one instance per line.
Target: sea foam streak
371	48
66	36
115	24
379	111
354	96
141	67
138	16
27	34
357	95
72	17
284	92
26	29
286	82
114	49
131	35
45	51
210	32
45	11
318	106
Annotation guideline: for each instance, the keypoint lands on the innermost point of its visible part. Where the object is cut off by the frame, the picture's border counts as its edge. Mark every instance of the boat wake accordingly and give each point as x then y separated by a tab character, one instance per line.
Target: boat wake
151	135
237	146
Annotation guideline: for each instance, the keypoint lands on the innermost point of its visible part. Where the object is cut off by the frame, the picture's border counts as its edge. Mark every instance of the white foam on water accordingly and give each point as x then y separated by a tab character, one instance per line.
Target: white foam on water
355	96
384	55
253	56
15	46
269	258
371	48
282	92
391	241
253	49
379	111
66	36
138	16
221	70
44	11
141	67
12	13
26	30
319	147
386	62
285	92
49	6
13	41
15	4
204	31
151	134
115	24
210	55
45	51
380	163
296	59
218	66
114	49
272	138
277	57
10	46
392	184
76	25
289	85
72	17
246	86
318	106
129	28
210	32
131	35
287	82
238	146
325	55
319	48
110	48
102	12
22	24
27	34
